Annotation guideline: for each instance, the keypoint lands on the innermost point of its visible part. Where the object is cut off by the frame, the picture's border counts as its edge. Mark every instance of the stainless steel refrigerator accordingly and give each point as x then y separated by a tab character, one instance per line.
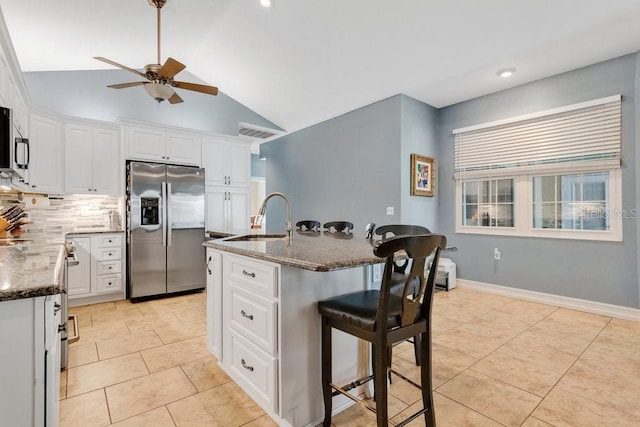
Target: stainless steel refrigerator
165	229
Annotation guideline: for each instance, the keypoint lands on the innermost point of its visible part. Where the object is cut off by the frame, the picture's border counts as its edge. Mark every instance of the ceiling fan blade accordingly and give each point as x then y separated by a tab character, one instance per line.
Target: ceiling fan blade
124	67
126	85
211	90
170	68
175	99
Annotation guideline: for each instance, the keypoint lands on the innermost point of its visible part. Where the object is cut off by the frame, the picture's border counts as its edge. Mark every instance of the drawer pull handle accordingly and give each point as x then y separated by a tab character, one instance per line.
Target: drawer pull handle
246	273
248	316
245	366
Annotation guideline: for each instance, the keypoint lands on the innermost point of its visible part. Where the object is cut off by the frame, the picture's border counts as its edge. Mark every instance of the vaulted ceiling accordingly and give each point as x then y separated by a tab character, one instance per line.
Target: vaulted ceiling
304	61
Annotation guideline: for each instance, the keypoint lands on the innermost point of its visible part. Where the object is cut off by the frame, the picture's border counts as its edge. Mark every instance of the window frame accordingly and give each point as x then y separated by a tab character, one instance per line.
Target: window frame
524	211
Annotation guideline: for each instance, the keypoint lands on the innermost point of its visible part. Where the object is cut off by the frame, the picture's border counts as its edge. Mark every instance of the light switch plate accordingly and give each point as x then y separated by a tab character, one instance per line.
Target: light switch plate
390	210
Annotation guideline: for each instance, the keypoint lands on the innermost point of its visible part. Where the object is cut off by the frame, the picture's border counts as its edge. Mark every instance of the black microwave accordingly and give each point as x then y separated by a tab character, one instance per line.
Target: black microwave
14	152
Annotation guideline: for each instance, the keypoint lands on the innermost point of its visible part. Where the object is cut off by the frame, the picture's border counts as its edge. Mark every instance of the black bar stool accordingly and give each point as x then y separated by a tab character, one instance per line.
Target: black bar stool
399	270
383	318
308	225
337	226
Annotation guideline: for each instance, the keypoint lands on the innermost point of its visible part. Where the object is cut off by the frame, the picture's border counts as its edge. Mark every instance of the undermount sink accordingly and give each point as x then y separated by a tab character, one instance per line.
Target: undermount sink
256	238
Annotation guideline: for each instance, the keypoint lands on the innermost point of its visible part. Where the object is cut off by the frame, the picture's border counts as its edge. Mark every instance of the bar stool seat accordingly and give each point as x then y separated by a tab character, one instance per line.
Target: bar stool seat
383	318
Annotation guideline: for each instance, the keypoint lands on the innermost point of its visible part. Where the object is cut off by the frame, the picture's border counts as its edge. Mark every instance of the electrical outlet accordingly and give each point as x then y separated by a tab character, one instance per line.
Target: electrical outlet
496	253
390	210
377	272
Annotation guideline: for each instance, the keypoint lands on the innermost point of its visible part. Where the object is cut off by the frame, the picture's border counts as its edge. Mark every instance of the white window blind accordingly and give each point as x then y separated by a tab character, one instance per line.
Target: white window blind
575	137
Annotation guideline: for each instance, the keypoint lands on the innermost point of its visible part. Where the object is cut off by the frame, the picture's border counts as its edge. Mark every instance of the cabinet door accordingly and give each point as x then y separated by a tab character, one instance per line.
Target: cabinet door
145	144
216	209
46	161
239	164
182	148
238	217
78	159
214	161
79	276
106	162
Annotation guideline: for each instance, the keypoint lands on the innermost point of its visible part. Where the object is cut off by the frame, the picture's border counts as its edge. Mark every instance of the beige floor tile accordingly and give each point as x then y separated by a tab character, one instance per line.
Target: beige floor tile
492	326
534	422
92	308
494	399
563	409
86	410
226	405
104	332
205	373
114	347
181	331
176	354
468	343
528	310
519	372
411	371
84	321
149	392
617	392
158	417
263	421
63	385
82	354
449	363
190	313
580	317
354	416
124	305
123	315
152	322
448	414
105	373
608	361
540	351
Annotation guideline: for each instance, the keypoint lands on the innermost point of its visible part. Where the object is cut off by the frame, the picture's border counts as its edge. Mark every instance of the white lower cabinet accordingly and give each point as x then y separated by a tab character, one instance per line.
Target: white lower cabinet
250	312
30	355
99	275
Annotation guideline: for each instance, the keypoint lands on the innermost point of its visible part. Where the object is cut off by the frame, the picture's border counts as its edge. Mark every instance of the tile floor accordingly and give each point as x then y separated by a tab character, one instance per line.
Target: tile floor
498	361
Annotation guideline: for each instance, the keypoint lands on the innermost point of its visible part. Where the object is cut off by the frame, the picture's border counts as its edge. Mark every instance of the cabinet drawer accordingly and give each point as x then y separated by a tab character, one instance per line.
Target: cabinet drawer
109	241
109	267
256	369
106	254
109	283
254	317
256	276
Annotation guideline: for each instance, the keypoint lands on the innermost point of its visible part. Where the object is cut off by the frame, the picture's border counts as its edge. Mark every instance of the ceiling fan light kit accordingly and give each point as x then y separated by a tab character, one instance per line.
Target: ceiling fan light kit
160	81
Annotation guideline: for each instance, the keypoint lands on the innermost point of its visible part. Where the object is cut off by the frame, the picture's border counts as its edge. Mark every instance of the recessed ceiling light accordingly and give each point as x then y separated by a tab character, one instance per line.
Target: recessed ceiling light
265	3
507	72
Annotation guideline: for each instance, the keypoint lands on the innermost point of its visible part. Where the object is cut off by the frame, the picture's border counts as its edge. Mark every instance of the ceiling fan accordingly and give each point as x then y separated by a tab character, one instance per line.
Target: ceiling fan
160	81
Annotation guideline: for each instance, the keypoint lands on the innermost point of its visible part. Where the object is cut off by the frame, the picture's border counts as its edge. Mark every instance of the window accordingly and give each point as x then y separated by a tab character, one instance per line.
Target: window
551	174
488	203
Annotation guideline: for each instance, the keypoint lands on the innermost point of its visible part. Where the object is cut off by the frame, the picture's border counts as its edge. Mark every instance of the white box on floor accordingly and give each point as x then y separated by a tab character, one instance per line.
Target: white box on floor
445	264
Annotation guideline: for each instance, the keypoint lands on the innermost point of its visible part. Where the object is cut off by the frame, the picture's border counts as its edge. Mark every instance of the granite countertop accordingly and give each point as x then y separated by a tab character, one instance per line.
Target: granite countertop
31	270
94	230
315	251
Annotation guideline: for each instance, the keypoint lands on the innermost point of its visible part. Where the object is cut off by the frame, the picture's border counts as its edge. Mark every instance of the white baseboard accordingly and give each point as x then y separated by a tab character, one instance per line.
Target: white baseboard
594	307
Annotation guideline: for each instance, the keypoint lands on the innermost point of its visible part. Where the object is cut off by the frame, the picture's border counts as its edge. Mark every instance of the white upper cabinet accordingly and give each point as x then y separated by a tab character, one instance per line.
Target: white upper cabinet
92	163
158	144
227	161
46	159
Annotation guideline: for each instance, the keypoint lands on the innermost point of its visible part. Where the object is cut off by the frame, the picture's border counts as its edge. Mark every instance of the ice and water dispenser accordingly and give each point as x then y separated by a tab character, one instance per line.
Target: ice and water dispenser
150	211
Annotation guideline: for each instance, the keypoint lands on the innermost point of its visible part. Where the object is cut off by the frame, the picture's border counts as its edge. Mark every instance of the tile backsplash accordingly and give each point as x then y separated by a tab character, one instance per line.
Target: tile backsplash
51	218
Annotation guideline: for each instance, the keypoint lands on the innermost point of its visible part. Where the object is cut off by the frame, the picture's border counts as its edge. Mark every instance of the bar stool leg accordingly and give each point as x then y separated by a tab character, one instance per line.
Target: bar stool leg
425	378
326	371
381	363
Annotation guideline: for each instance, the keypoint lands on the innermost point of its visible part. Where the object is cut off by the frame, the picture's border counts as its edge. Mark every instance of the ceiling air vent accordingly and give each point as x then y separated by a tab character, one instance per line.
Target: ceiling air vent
257	132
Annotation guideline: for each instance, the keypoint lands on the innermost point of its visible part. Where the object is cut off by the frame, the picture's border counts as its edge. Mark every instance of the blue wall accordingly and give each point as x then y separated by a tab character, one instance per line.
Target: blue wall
599	271
345	168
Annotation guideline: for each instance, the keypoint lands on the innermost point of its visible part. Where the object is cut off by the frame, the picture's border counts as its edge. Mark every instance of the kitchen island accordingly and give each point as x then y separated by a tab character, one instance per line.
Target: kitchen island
262	319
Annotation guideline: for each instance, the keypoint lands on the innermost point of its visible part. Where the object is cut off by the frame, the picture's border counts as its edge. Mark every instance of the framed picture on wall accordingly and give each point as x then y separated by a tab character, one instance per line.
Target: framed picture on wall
423	176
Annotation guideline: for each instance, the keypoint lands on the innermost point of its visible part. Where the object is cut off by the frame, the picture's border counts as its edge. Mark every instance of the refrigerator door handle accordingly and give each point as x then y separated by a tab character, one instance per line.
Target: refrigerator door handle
168	223
163	207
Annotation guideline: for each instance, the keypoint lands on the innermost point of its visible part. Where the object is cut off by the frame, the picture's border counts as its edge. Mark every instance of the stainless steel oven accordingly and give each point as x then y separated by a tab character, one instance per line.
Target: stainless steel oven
69	329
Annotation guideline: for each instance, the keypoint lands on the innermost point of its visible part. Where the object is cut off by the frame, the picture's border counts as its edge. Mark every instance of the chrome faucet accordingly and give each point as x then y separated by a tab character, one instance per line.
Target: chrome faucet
263	209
